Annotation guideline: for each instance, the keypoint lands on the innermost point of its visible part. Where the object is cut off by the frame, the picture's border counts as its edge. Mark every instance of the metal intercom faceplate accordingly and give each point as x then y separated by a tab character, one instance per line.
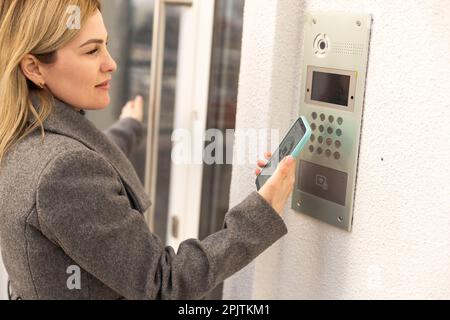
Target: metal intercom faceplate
335	53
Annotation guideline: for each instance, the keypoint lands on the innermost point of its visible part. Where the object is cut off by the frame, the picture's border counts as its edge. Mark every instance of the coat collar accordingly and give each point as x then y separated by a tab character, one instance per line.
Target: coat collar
65	120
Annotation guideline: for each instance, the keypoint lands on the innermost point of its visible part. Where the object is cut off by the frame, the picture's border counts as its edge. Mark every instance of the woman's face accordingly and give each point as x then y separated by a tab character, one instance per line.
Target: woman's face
81	66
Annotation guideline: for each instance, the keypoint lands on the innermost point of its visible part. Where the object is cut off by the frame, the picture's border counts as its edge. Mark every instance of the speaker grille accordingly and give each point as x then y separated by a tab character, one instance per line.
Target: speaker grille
347	48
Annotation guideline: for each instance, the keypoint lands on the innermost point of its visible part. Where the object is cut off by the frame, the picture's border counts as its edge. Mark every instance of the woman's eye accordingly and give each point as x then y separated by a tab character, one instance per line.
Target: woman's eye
93	51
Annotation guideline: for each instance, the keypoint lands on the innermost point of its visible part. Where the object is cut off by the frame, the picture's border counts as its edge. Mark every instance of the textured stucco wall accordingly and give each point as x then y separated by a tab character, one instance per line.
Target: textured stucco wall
400	243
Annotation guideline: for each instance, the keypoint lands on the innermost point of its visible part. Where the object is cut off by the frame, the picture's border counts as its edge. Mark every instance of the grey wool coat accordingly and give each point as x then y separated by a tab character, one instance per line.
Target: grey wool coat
74	202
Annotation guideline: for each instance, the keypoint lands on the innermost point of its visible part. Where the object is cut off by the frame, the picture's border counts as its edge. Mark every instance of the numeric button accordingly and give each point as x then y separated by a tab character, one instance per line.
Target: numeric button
337	143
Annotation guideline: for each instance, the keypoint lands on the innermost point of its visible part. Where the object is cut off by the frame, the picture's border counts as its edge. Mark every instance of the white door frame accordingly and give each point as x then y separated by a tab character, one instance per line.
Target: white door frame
191	105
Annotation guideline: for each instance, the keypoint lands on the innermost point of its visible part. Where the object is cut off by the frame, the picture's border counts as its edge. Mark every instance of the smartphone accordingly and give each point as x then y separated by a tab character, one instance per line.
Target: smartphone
292	144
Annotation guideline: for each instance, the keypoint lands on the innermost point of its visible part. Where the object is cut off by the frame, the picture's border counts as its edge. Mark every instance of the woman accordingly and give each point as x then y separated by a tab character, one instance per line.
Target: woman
71	203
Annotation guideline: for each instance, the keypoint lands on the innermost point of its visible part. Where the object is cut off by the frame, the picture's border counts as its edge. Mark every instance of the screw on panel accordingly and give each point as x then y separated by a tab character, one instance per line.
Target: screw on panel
314	21
299	203
340	219
358	23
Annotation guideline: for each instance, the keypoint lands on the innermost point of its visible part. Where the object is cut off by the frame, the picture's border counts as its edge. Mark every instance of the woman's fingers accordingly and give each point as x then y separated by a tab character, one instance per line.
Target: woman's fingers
280	185
134	109
286	184
126	110
285	171
129	105
138	108
138	102
261	163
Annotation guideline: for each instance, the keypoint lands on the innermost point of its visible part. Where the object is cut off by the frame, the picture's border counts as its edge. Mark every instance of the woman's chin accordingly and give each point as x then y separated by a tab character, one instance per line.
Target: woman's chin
100	103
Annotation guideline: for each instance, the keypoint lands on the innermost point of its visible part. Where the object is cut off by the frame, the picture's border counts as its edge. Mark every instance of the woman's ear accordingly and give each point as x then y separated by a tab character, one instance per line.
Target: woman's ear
31	69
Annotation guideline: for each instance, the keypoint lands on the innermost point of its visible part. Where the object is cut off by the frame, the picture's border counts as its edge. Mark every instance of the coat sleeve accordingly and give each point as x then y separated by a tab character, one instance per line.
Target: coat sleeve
127	134
82	207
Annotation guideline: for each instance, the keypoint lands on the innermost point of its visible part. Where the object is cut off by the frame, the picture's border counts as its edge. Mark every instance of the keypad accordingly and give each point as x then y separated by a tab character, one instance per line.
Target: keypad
327	140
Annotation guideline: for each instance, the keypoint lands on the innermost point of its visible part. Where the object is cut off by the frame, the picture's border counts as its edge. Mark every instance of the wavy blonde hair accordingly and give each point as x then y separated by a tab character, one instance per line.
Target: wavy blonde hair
32	27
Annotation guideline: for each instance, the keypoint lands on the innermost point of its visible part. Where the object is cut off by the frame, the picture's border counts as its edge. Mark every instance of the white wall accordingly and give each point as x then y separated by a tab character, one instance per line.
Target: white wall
400	243
3	281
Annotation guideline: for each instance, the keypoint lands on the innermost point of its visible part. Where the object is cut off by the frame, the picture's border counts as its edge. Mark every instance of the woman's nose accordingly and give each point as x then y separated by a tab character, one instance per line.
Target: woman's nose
109	64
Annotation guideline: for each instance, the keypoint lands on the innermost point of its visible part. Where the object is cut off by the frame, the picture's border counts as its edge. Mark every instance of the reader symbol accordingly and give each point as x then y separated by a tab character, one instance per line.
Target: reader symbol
322	182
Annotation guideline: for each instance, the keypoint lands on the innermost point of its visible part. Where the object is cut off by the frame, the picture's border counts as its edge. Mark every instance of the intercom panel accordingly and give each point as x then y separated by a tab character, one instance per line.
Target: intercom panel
335	54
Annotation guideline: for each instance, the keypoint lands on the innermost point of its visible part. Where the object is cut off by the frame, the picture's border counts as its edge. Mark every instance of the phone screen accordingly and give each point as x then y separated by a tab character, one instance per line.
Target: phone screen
287	145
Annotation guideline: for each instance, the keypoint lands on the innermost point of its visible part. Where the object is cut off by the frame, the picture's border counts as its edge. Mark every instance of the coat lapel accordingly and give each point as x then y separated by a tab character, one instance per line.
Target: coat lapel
65	120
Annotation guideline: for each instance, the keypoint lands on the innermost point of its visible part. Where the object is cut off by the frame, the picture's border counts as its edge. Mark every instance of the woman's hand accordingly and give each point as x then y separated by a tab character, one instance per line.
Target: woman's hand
279	186
261	164
134	109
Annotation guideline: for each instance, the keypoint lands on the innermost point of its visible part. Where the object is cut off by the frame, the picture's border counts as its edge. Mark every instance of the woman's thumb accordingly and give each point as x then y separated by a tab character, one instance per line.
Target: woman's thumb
284	168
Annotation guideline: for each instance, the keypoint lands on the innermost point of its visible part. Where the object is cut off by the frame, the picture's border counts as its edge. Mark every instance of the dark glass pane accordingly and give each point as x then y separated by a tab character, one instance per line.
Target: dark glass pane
225	66
166	120
129	24
130	27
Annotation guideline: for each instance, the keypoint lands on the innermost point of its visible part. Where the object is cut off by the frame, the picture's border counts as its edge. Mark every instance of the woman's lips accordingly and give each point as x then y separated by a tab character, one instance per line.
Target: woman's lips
105	85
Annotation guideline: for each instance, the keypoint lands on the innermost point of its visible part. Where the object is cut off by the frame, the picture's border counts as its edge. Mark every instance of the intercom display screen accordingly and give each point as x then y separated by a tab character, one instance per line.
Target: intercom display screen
330	88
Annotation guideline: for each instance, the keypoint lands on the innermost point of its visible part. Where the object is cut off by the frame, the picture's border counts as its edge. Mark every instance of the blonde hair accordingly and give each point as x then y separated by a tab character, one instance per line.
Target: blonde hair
39	28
